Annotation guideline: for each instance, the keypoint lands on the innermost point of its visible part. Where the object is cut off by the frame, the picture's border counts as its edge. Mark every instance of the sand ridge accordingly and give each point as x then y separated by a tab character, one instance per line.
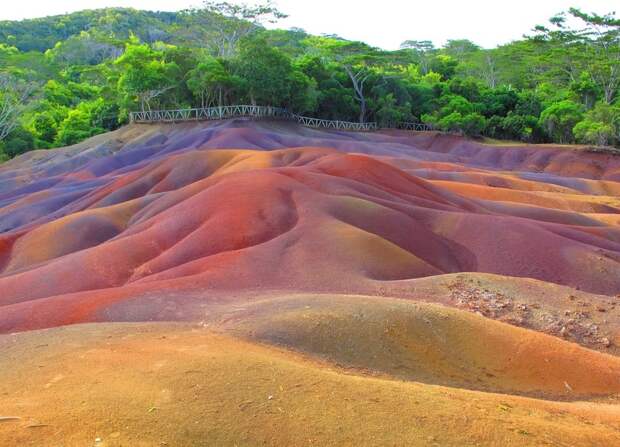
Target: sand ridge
243	283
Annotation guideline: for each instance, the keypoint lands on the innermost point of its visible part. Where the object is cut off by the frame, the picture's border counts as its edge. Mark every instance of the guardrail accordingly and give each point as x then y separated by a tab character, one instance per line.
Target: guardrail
225	112
419	127
333	124
209	113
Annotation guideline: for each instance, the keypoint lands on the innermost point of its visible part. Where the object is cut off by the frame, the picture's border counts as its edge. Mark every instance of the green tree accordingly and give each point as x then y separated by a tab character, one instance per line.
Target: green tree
17	142
221	26
444	65
389	111
45	127
266	72
558	85
210	82
457	114
84	49
601	36
600	126
304	95
356	59
460	49
593	132
515	127
422	52
595	47
144	75
15	97
559	119
585	89
472	124
80	123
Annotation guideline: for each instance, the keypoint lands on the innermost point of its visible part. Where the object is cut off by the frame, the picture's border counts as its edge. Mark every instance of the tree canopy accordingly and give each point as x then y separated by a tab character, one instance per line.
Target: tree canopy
68	77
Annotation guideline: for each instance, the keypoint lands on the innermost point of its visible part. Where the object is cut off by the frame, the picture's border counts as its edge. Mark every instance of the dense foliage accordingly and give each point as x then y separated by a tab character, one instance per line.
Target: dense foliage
65	78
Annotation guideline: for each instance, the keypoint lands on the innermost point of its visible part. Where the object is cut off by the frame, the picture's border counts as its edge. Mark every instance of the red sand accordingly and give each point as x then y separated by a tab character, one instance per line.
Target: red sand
165	211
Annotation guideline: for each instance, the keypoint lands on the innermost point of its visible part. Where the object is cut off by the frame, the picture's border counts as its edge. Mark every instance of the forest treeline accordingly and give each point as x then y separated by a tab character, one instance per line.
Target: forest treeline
68	77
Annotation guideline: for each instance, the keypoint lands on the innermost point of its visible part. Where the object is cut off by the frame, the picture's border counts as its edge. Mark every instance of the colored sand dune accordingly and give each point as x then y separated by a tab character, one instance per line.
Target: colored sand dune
293	271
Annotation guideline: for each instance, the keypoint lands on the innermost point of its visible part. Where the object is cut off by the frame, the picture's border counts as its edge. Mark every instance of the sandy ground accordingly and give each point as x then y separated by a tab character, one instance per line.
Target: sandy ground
260	283
158	385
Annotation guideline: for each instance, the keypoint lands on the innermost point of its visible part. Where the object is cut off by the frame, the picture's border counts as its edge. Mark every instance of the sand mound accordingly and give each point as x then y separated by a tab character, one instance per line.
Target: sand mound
163	209
430	344
156	385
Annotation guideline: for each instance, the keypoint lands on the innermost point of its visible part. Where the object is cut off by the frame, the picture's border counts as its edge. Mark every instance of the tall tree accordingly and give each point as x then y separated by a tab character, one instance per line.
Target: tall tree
595	48
84	49
560	118
15	97
423	50
355	58
210	81
602	36
265	71
145	75
460	49
222	25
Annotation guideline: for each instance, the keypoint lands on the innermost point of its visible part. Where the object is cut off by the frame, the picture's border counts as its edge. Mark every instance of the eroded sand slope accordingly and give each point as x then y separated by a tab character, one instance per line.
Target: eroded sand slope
379	287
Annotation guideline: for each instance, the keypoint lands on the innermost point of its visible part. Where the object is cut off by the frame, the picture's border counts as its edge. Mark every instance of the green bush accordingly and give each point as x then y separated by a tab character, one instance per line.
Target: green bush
601	125
17	142
592	132
559	119
471	124
80	124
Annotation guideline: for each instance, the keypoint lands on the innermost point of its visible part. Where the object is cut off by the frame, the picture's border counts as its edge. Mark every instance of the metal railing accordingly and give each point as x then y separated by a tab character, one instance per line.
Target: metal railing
249	111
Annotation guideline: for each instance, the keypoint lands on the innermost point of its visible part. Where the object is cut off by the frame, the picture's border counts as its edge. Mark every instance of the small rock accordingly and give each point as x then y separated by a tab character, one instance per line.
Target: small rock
606	342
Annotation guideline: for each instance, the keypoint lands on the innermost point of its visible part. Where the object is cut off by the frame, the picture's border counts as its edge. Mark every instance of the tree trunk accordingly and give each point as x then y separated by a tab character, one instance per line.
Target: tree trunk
362	110
358	79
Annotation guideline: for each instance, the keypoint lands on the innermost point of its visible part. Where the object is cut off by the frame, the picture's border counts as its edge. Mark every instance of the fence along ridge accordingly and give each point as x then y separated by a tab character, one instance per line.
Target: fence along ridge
238	111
